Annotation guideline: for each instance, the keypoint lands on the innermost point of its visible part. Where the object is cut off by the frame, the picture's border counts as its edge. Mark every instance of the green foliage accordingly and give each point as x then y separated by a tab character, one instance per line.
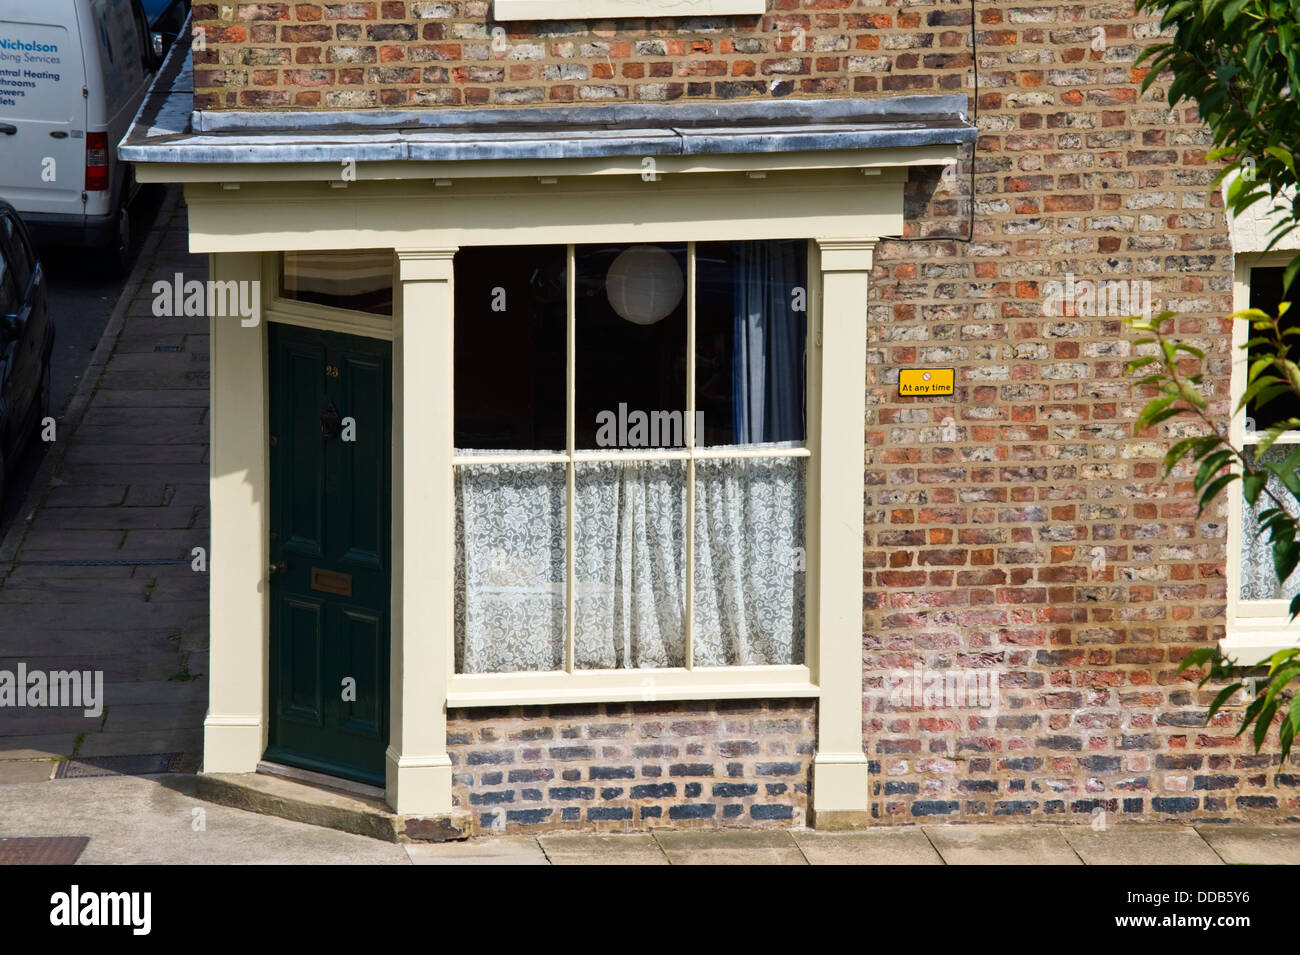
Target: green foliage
1238	61
1216	463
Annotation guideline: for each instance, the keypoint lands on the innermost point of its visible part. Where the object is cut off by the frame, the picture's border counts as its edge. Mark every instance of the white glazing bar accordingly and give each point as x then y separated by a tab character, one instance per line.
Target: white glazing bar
570	478
690	447
706	454
467	460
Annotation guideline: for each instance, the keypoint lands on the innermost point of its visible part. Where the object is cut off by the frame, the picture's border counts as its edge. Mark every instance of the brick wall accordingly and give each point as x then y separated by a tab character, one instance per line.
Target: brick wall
1019	528
418	53
622	766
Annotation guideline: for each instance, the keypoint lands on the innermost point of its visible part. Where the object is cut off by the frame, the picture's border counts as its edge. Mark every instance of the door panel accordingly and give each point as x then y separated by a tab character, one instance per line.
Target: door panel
43	140
331	527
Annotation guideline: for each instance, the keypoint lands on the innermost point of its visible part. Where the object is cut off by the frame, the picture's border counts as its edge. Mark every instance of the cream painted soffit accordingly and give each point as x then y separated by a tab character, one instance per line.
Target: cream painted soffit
198	146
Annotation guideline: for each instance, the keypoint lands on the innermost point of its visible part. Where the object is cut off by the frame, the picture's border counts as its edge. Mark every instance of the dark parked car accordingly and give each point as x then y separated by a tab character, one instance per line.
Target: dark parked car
26	341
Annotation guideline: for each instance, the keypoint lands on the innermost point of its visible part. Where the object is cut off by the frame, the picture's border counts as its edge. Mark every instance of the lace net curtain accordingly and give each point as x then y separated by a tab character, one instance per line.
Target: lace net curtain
1258	580
630	520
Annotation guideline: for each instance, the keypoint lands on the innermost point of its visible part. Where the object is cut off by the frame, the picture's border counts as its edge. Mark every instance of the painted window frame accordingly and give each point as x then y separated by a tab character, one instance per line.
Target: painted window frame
572	685
1255	628
529	10
687	682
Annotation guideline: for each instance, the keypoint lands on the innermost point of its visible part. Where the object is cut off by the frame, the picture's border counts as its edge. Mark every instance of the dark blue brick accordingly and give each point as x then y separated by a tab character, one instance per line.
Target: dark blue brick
612	772
531	775
611	792
1014	807
571	813
1174	804
490	779
772	812
492	799
609	812
734	790
487	758
732	810
652	812
693	790
894	787
654	791
927	807
1022	764
778	769
531	795
1133	805
692	811
572	752
1256	802
529	817
573	792
690	769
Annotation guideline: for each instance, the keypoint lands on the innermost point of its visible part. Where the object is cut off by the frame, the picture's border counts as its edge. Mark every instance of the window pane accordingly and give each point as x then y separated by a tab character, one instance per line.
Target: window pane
510	331
750	331
630	564
1258	581
1266	293
356	279
749	561
510	558
631	343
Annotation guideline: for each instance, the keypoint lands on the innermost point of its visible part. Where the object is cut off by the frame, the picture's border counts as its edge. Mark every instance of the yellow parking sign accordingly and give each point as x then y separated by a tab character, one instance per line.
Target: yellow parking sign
925	381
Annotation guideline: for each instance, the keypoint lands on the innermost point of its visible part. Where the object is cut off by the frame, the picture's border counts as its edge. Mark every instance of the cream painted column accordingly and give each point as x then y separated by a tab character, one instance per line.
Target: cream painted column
418	769
840	794
234	731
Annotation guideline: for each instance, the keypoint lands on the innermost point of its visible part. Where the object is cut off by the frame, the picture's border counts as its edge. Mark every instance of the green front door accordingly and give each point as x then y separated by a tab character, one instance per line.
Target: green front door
331	412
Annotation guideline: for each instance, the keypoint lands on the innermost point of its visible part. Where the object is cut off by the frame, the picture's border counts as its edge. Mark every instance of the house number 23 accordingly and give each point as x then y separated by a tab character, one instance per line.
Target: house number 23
331	371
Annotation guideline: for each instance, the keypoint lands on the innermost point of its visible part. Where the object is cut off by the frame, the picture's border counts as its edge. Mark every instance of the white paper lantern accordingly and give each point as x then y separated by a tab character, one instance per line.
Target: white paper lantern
644	284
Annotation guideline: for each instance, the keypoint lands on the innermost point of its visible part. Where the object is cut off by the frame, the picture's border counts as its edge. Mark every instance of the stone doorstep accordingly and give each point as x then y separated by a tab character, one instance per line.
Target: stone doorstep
317	806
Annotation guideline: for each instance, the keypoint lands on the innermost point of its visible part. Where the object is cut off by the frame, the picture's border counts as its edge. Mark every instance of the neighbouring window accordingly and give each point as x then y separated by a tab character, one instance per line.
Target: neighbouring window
1258	580
357	279
630	456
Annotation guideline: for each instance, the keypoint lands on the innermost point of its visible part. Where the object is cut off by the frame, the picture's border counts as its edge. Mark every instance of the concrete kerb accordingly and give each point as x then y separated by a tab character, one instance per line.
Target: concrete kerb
84	390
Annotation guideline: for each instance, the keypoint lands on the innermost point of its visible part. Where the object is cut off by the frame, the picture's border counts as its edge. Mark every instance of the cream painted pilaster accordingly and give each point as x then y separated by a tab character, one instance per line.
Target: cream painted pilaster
418	769
234	731
840	794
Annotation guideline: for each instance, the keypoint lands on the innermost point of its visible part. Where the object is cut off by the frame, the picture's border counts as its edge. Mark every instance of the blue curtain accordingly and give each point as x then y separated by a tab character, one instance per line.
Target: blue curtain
768	357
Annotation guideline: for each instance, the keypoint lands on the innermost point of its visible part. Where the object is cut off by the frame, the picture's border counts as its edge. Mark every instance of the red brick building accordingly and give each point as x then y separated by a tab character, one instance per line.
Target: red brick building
1029	579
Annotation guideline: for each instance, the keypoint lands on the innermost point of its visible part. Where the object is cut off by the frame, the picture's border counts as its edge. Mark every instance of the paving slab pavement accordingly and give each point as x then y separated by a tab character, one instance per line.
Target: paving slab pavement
582	849
157	820
1002	845
1141	845
730	847
124	489
1254	845
870	847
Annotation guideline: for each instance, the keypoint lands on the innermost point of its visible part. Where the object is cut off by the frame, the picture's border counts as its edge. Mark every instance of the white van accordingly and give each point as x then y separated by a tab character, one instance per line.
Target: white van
72	75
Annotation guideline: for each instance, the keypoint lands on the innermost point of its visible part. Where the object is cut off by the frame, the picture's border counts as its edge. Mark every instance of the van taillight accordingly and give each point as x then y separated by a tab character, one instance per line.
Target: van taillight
96	162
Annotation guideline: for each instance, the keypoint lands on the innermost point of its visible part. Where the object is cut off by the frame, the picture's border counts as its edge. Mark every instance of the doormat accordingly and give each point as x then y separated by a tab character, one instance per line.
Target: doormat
42	850
143	764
